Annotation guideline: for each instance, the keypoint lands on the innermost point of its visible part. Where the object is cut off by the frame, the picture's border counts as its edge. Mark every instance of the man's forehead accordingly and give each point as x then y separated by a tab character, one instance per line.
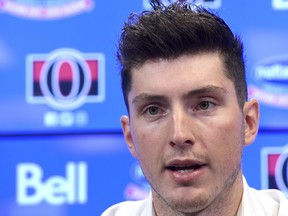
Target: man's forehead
209	55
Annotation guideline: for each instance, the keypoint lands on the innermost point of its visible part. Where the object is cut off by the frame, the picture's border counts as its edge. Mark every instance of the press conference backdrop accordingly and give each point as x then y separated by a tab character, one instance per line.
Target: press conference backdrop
61	148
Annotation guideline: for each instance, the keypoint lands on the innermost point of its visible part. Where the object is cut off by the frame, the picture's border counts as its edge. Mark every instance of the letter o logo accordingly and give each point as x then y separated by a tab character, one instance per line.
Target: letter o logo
282	171
65	79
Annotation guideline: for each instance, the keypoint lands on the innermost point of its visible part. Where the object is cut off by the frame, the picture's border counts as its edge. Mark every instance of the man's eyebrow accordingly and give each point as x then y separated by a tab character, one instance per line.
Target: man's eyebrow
210	89
194	92
148	97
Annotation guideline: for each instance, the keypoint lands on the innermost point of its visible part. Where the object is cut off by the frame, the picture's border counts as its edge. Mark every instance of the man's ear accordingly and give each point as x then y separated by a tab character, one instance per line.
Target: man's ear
125	123
251	120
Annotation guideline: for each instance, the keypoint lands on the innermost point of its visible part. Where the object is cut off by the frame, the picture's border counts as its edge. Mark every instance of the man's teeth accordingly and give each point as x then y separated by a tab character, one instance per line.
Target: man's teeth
184	169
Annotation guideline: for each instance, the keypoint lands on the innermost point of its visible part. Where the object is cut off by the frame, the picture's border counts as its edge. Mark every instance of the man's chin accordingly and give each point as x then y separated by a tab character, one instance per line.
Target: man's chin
186	201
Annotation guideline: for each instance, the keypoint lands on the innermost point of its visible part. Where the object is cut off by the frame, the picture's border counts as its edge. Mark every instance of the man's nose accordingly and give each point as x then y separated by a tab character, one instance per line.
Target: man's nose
182	131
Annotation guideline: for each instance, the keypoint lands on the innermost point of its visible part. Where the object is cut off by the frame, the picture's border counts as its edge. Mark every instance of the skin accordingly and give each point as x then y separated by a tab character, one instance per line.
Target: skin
185	112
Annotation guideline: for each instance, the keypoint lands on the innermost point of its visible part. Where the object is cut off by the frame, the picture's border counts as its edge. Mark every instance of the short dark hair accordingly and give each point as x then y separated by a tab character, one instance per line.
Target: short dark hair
167	32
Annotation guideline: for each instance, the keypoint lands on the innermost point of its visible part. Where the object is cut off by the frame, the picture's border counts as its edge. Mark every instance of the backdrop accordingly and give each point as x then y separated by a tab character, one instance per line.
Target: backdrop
62	152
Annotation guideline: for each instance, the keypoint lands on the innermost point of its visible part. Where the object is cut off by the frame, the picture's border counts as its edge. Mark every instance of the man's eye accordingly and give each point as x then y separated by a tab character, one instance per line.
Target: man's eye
205	105
152	110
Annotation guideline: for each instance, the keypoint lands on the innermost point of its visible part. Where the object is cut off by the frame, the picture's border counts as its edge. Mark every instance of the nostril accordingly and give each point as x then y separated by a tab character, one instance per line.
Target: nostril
181	143
188	142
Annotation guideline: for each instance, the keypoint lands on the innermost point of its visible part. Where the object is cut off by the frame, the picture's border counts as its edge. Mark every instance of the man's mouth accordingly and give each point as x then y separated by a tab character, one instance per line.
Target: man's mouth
186	171
184	168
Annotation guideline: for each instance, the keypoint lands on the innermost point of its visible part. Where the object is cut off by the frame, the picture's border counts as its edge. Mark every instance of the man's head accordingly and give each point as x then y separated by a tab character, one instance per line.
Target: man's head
167	32
184	84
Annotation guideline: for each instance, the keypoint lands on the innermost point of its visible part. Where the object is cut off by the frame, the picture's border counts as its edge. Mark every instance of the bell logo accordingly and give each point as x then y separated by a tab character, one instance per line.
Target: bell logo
56	190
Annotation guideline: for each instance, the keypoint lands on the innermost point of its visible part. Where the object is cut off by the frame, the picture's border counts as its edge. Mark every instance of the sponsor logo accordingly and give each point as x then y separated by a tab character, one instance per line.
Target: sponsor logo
65	79
213	4
32	189
45	9
137	175
270	78
274	162
139	188
280	4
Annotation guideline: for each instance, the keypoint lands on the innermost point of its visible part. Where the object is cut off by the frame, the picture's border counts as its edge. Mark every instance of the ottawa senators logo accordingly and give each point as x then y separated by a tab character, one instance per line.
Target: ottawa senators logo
65	78
274	161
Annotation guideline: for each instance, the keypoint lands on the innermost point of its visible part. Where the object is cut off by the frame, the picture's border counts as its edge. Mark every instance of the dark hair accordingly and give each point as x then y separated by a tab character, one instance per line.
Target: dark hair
168	32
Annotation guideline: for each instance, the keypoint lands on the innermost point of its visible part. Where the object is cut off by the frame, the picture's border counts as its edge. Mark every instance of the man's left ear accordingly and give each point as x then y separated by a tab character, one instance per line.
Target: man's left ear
251	120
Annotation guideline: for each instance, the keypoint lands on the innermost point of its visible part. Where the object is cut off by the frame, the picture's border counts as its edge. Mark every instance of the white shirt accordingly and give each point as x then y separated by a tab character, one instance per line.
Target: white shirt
254	203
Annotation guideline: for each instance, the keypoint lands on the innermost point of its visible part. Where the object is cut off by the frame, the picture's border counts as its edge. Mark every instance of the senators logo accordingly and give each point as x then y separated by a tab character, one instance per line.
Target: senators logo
213	4
275	168
45	9
65	79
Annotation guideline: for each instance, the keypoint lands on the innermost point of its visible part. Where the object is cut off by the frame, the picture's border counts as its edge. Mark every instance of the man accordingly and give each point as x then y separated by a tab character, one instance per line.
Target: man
183	80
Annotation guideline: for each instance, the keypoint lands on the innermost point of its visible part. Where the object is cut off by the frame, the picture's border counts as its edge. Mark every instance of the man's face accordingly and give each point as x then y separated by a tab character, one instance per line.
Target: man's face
187	130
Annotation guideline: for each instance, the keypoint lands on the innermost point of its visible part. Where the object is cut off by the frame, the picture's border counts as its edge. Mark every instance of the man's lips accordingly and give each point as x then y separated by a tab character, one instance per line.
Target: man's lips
184	165
185	171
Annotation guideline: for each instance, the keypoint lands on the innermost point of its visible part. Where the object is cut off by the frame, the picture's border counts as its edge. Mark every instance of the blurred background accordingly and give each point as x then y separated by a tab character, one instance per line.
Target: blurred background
62	152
